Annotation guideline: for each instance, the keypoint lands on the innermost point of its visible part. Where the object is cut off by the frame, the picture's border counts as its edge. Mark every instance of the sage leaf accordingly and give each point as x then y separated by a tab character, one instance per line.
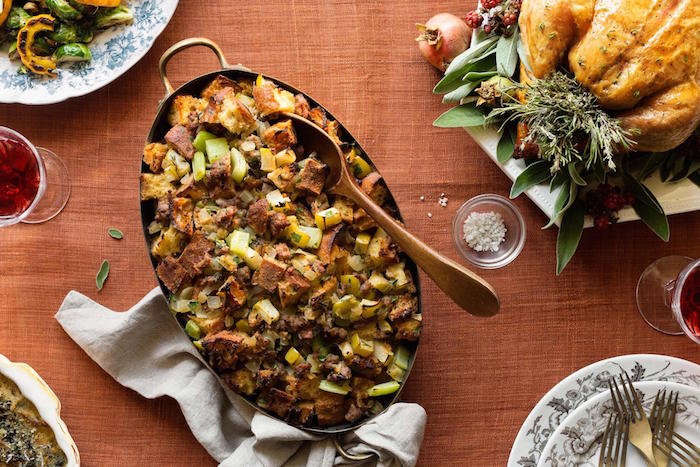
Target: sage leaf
507	54
534	174
575	176
569	235
451	82
115	233
648	208
506	146
472	54
464	115
523	57
562	202
102	274
478	76
459	93
557	181
652	164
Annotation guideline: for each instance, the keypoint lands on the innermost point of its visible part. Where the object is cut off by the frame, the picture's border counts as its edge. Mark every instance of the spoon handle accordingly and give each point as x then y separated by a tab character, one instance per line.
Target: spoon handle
464	287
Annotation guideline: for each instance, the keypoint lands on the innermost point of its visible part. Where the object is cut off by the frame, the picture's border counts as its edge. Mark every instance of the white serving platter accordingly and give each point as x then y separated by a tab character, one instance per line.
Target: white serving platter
675	198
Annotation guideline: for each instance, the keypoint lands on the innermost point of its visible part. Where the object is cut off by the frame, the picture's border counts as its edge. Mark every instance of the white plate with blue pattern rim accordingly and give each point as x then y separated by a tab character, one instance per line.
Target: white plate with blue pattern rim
577	441
584	384
114	51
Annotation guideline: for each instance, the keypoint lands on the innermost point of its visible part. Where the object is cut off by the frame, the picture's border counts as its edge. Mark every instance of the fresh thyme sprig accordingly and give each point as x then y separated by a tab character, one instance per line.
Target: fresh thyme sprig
566	121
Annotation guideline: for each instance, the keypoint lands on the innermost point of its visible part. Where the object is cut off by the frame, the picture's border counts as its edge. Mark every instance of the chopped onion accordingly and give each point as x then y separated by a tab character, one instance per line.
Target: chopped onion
214	302
247	146
252	365
186	293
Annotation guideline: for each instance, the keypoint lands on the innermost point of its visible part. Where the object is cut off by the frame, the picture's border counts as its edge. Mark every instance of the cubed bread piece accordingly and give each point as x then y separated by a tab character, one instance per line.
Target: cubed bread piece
169	242
235	116
292	288
186	110
269	274
281	135
313	176
183	215
153	155
171	273
155	186
178	138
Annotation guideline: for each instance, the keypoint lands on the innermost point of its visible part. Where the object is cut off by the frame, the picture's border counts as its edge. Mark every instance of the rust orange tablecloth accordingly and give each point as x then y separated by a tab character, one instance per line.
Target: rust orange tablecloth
478	379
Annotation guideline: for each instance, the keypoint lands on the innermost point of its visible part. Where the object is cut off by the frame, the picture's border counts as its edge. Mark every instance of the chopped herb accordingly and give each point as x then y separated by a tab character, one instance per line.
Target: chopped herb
636	93
541	26
634	31
102	275
552	35
115	233
604	49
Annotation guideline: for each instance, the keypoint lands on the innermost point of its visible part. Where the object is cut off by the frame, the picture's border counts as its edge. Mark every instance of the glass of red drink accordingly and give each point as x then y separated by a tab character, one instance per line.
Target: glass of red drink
668	296
34	183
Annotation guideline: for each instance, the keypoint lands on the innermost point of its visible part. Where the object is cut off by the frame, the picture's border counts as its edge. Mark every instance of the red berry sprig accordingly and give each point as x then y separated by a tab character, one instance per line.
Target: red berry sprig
501	16
604	202
473	19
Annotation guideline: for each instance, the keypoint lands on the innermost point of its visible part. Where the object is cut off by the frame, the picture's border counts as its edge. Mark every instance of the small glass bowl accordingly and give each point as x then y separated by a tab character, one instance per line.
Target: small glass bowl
515	231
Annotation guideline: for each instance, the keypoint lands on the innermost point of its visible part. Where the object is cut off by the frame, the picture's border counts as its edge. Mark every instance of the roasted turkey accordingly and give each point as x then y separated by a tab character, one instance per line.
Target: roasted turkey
641	58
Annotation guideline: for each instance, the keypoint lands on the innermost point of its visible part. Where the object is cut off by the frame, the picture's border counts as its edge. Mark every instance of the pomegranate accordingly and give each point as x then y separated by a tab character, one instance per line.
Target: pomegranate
442	38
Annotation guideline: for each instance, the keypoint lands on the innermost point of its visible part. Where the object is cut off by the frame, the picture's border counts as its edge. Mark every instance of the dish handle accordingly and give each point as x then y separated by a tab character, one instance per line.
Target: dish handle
350	457
186	44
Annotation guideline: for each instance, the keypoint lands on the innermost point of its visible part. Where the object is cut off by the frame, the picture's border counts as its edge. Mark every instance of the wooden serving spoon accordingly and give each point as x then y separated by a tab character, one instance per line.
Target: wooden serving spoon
466	288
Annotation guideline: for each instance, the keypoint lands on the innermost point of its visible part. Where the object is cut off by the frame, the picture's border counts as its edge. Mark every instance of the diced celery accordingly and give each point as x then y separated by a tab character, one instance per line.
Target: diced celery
384	326
351	283
401	357
346	350
267	311
328	218
343	307
297	236
238	242
383	389
395	372
379	282
199	166
216	147
362	243
369	307
199	345
239	164
192	330
315	236
201	139
382	351
267	160
292	355
356	263
252	258
397	273
360	346
334	388
243	326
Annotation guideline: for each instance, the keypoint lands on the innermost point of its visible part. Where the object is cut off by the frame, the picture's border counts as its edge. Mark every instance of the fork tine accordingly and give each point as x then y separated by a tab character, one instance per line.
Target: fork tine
674	454
619	444
655	410
672	407
637	402
604	443
625	442
613	396
622	409
632	412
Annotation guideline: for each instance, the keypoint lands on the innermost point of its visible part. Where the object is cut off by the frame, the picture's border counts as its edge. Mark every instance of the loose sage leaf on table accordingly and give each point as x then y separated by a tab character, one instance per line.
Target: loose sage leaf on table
507	54
534	174
115	233
464	115
102	274
648	207
506	146
569	235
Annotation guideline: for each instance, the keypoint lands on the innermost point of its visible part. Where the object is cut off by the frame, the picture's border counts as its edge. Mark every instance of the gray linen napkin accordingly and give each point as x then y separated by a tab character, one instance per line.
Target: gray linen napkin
145	350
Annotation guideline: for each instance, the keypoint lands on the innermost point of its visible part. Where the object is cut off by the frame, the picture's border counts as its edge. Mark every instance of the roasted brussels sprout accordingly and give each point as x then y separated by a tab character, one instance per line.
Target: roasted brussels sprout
63	10
65	34
72	53
41	46
17	18
87	10
108	17
85	32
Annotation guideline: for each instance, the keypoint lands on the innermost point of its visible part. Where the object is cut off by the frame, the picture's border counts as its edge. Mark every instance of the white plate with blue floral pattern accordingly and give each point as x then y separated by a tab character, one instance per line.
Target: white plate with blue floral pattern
114	51
586	383
577	441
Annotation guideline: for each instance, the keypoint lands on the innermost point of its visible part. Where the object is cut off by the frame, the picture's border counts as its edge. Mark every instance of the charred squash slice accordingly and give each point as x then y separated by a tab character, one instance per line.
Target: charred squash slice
6	6
39	64
106	3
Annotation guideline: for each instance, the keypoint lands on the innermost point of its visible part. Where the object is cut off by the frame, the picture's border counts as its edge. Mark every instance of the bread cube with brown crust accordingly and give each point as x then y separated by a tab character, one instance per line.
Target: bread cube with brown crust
283	177
183	215
169	242
209	325
292	288
313	176
178	138
404	307
195	257
153	155
301	106
241	381
372	185
155	186
270	99
318	116
329	408
279	402
222	349
269	274
186	110
333	130
219	83
408	330
234	294
235	116
362	221
171	273
281	135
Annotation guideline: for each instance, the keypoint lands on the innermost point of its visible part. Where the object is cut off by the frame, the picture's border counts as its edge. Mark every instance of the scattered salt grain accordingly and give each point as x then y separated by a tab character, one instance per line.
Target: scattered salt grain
484	231
442	201
422	198
430	214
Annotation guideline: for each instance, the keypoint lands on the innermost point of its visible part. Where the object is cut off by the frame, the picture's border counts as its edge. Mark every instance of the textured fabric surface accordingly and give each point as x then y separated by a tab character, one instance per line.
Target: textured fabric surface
145	350
476	378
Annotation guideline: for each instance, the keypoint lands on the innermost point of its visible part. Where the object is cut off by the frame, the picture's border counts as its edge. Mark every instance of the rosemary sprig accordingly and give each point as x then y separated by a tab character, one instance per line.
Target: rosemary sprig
566	121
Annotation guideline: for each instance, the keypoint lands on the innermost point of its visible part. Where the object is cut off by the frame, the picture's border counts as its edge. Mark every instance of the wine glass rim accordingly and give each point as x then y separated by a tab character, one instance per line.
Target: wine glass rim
676	300
42	174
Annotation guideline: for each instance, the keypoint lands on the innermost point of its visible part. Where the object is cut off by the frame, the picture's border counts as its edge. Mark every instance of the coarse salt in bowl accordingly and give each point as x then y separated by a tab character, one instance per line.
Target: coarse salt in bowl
491	248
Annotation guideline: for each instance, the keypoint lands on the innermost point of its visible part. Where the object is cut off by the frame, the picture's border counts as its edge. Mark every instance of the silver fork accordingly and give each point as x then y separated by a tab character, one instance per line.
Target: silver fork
630	406
613	447
672	445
